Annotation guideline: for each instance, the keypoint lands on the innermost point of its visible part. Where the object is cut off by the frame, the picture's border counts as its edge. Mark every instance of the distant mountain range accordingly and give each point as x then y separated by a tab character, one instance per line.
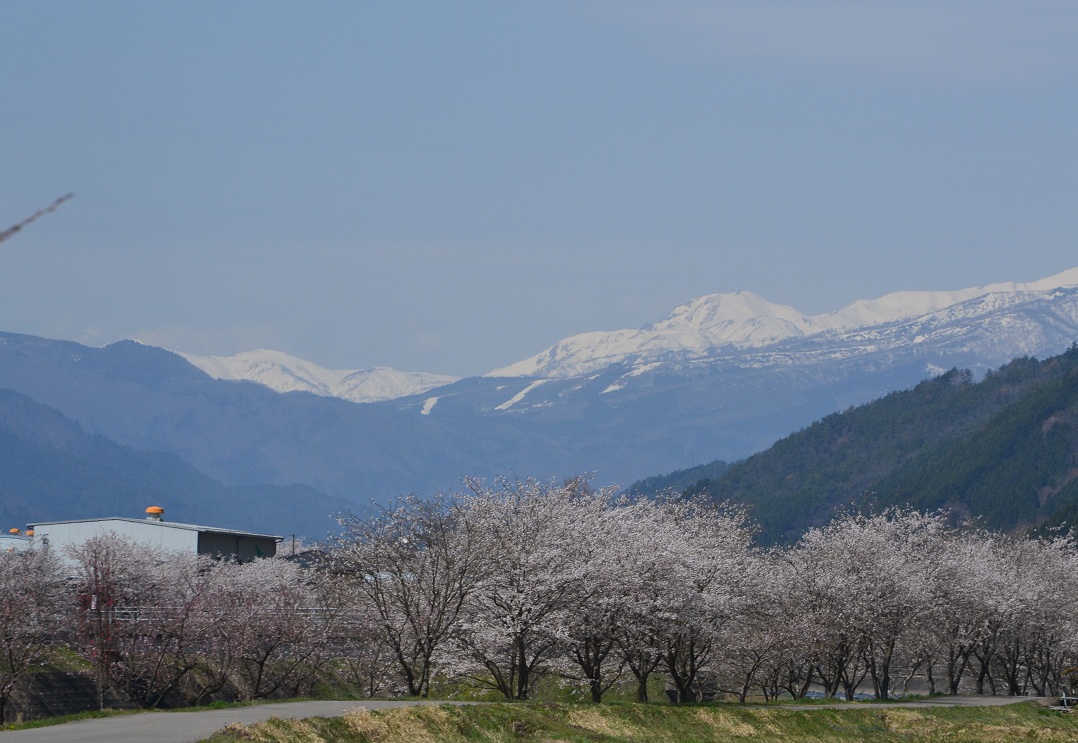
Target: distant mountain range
721	377
713	327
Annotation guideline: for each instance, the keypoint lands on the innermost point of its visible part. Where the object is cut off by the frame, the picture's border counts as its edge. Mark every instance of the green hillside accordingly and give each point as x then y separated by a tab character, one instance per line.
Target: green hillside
678	479
1004	449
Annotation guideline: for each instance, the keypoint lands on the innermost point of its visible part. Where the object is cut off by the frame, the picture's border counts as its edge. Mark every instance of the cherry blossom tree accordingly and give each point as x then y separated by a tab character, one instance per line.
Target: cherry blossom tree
415	564
537	538
594	621
868	580
159	635
32	612
222	646
966	573
141	615
706	554
684	567
652	539
110	572
1036	634
987	603
271	623
364	656
1053	622
760	648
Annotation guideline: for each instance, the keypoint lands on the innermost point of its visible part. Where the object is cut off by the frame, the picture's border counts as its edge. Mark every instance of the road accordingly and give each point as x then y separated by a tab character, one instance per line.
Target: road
183	727
944	701
189	727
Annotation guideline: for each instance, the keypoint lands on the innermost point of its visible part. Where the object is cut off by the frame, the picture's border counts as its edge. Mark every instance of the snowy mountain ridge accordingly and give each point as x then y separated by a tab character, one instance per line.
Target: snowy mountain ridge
742	325
284	373
719	323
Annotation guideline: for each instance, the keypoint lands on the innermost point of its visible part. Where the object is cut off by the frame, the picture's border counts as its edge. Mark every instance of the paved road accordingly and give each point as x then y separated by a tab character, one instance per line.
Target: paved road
945	701
188	727
182	727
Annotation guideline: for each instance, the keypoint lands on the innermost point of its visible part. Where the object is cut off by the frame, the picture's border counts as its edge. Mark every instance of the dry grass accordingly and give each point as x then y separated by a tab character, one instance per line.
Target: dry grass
525	723
594	718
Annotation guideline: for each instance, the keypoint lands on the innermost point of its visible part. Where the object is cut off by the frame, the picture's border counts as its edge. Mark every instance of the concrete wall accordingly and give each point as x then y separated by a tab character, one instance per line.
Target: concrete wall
50	693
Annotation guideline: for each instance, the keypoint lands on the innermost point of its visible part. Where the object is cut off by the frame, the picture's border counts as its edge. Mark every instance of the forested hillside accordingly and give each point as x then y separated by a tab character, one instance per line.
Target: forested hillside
679	479
1004	449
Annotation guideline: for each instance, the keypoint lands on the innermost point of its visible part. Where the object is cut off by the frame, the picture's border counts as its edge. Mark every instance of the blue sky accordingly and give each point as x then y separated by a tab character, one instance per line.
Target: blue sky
451	187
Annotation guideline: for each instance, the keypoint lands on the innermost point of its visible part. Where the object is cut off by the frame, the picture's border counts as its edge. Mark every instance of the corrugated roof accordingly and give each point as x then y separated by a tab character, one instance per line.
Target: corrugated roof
169	524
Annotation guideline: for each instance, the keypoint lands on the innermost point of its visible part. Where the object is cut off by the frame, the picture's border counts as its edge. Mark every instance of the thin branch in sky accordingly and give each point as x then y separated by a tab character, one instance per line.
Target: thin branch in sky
50	208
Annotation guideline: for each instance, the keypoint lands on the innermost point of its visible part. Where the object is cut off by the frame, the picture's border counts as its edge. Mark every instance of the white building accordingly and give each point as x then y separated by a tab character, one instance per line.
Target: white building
157	533
16	540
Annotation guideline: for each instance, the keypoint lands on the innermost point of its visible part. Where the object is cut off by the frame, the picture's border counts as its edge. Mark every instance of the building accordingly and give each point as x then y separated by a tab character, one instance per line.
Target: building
16	540
157	533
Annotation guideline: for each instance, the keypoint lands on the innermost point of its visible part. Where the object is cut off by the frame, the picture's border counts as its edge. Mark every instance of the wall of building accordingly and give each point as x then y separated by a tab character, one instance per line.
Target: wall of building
12	543
155	534
243	547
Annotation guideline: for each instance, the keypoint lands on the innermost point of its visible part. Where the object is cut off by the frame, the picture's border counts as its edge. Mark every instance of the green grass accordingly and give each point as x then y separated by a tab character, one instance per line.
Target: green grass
658	723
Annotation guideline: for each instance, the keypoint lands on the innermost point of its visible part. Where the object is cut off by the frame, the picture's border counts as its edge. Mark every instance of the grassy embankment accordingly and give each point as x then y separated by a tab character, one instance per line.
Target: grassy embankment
618	723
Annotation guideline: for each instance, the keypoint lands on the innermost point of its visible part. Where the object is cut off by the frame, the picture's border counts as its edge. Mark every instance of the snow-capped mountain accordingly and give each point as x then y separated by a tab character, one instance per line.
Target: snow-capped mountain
718	324
980	327
284	373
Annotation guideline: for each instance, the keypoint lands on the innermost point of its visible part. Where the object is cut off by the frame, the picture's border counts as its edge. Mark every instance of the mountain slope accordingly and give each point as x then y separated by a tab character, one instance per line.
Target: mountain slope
51	469
242	433
1020	469
1004	449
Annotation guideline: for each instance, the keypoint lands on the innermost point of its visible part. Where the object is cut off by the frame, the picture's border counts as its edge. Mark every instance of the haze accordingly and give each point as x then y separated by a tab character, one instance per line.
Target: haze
453	187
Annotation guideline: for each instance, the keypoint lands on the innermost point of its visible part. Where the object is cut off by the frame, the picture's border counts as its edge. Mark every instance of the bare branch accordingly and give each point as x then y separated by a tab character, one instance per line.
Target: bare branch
36	215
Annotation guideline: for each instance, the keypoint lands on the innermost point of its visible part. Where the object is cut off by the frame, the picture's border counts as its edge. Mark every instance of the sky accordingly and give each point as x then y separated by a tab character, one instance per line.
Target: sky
453	187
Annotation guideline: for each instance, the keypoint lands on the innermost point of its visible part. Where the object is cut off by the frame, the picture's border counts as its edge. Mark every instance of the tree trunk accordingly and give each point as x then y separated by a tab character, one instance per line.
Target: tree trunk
522	669
642	688
957	660
596	691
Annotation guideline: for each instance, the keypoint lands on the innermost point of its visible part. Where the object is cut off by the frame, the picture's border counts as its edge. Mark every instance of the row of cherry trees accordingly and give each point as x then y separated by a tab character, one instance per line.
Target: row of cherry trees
512	581
166	627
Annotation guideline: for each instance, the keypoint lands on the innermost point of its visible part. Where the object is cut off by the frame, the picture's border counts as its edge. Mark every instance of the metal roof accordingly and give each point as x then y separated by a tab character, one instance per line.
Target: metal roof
169	524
